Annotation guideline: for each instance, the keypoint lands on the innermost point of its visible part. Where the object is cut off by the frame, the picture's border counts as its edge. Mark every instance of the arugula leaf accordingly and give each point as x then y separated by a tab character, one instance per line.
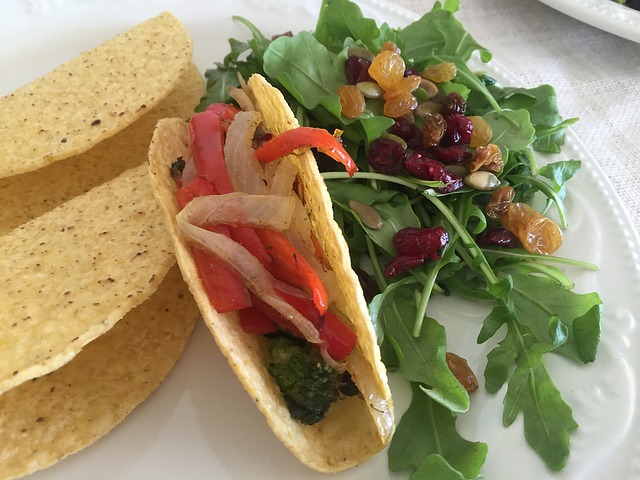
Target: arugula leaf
341	19
538	298
427	442
547	418
218	80
308	71
542	104
540	317
422	359
511	129
439	33
560	172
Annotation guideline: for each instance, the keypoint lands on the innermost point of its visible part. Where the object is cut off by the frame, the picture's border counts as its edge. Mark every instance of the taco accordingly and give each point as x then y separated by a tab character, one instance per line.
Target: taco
270	271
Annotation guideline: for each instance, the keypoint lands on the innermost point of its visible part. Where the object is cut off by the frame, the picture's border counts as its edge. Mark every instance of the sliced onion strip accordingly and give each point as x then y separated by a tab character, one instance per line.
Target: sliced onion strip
245	172
242	99
260	211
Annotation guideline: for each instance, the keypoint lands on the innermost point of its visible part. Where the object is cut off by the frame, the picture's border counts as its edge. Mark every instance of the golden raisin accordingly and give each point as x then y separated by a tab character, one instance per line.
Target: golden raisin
487	157
387	68
440	72
537	233
390	46
352	101
400	105
433	129
461	370
481	134
406	84
500	202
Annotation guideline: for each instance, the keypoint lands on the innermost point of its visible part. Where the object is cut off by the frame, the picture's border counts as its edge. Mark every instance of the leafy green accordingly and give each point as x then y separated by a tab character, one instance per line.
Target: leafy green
426	441
340	20
439	33
540	318
421	359
308	71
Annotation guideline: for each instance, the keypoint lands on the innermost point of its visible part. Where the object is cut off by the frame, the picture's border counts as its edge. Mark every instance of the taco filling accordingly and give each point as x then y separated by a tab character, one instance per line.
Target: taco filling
256	254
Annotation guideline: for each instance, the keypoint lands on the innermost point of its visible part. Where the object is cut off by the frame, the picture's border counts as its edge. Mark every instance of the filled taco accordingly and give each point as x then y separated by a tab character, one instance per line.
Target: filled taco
257	244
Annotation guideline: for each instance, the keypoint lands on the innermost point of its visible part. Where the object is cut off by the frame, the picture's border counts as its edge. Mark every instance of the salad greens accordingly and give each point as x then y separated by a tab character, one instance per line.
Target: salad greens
534	313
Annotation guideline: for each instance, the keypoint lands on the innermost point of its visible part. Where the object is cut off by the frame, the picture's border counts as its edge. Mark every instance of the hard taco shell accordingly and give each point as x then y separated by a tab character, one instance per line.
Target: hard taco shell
355	428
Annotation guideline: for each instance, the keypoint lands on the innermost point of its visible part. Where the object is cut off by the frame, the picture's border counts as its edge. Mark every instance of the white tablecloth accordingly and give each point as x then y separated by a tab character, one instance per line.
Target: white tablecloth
596	75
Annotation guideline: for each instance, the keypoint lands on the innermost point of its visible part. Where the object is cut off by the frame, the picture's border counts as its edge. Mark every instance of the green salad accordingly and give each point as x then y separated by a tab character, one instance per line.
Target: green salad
449	200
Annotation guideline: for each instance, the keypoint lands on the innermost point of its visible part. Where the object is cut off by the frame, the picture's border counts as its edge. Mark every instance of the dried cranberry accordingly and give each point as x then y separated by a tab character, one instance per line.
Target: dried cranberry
421	241
427	168
408	131
357	69
498	236
401	264
454	104
458	131
414	246
454	155
386	156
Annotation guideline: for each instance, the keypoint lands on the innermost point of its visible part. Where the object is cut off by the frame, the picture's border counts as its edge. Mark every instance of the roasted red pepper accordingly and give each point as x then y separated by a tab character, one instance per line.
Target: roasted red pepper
207	145
338	337
306	137
291	267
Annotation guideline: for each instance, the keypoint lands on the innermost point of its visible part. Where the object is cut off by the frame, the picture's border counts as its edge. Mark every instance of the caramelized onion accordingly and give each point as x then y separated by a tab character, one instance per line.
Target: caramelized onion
245	172
283	178
261	211
242	99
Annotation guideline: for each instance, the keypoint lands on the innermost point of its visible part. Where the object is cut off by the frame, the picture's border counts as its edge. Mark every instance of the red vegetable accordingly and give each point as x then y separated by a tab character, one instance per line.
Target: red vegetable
252	320
338	337
198	187
306	137
291	267
223	285
207	140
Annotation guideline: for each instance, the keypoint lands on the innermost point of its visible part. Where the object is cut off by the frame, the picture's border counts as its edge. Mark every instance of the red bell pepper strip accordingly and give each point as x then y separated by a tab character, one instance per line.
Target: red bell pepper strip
247	237
290	267
338	337
306	137
223	285
198	187
252	320
226	113
284	324
207	140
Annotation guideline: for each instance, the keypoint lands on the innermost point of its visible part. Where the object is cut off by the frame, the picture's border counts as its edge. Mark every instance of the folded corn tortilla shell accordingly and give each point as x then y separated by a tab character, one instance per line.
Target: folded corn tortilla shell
92	96
31	194
353	429
48	418
69	275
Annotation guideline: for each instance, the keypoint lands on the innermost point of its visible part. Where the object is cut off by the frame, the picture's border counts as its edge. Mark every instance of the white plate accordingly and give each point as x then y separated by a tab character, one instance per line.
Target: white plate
606	15
200	423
